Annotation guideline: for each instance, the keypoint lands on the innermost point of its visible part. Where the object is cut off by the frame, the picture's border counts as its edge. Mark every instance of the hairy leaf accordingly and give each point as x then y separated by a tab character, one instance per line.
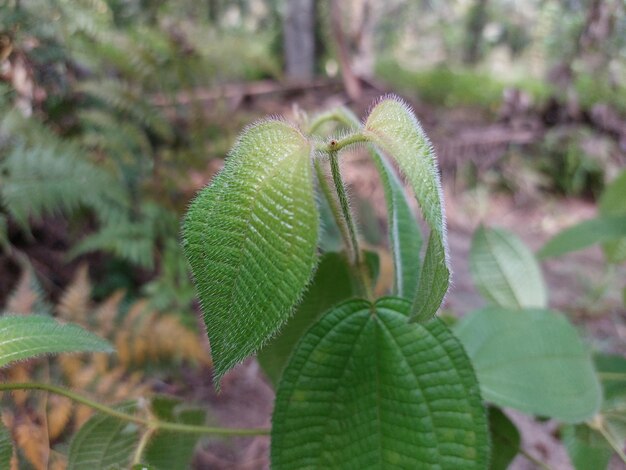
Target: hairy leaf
394	129
173	450
405	236
505	270
332	284
532	360
367	389
613	203
27	336
6	446
584	235
250	238
586	447
104	442
505	439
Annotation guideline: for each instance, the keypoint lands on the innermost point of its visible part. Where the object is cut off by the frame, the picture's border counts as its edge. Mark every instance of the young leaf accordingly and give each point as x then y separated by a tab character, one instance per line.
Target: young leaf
250	238
505	439
584	235
332	284
505	271
104	442
367	389
612	203
27	336
586	447
6	447
532	360
393	128
405	236
173	450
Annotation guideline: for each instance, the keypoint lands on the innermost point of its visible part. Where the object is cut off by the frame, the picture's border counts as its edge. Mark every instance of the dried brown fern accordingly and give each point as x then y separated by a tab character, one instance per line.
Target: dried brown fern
141	336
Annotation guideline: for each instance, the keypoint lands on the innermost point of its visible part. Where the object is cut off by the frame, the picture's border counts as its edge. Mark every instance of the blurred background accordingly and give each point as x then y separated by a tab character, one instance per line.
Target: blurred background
113	113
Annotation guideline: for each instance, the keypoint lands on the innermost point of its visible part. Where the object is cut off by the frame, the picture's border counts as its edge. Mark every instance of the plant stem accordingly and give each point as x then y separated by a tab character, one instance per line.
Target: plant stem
357	255
534	459
143	443
597	423
149	423
332	203
335	145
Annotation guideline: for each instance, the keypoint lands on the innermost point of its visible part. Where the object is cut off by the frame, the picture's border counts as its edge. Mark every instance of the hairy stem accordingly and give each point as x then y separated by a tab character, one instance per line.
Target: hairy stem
357	255
329	116
332	203
155	424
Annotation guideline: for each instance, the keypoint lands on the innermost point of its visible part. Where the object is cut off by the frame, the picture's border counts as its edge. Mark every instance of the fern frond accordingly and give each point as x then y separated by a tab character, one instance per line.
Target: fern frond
128	100
59	414
32	441
75	301
27	296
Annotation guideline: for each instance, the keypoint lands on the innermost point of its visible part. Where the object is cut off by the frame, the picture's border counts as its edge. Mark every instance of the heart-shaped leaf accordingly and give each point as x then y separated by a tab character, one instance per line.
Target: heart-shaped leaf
251	238
505	270
393	128
532	360
367	389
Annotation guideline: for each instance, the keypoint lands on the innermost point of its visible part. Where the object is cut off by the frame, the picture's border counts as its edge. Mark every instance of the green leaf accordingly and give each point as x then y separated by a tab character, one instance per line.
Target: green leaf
173	450
405	236
505	439
367	389
505	270
393	128
332	283
611	370
584	235
612	203
250	238
26	336
587	448
532	360
104	442
6	447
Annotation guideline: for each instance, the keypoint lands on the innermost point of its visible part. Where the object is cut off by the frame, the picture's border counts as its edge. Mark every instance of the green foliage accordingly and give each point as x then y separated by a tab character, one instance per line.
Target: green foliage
26	336
331	284
505	440
505	271
6	447
586	447
585	234
104	442
173	450
553	374
393	128
366	389
250	238
613	203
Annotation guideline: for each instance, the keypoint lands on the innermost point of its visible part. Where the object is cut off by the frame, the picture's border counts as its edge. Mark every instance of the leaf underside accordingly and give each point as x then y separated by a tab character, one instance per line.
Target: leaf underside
532	360
104	442
250	238
367	389
26	336
393	128
505	270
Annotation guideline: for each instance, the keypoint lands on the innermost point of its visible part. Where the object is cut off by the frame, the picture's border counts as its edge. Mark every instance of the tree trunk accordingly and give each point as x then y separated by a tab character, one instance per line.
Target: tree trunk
476	21
299	39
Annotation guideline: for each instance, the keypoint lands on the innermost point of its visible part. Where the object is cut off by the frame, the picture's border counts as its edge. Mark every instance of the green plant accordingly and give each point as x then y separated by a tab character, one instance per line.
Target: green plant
361	380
